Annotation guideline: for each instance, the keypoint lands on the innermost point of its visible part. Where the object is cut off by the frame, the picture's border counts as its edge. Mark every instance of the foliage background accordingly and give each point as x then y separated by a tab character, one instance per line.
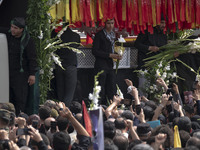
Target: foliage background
39	24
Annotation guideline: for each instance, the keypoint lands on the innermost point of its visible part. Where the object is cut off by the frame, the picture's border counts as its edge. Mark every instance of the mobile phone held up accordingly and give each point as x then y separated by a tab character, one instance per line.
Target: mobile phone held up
53	126
138	109
126	102
35	124
23	131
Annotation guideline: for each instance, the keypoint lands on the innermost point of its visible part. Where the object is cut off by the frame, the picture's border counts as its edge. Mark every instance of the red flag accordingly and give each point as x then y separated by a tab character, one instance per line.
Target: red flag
105	10
87	121
164	8
89	39
182	10
177	13
87	13
158	11
150	17
197	12
144	11
193	14
170	12
128	15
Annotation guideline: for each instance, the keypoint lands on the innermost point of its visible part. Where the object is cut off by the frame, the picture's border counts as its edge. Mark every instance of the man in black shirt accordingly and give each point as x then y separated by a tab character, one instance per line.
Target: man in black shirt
146	43
103	50
22	63
66	80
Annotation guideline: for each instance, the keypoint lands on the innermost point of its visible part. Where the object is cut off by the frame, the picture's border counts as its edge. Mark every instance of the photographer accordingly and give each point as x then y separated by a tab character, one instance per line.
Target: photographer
4	119
37	138
82	134
5	143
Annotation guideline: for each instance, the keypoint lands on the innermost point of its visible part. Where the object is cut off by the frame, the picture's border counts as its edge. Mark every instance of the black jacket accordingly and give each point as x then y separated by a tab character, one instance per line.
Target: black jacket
101	50
145	40
68	57
29	63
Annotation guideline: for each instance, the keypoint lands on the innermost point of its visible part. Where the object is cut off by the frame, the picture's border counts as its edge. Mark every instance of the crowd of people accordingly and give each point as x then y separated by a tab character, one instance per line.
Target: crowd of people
129	124
125	128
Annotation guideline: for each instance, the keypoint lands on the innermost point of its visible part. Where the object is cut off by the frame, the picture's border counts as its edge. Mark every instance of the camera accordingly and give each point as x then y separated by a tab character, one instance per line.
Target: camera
4	145
170	90
35	124
138	109
127	102
23	131
53	126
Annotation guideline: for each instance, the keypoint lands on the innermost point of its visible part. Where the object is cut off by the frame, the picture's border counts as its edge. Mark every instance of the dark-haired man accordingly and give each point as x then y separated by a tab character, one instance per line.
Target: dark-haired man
22	63
147	42
103	50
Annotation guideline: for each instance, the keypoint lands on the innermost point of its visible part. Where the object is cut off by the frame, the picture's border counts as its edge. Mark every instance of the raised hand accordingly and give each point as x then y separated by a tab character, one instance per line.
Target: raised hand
175	88
128	82
160	138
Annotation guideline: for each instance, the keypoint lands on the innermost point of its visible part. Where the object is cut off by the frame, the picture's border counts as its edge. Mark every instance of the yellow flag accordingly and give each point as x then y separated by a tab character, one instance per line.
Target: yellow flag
100	10
93	9
60	10
67	11
177	140
52	12
123	10
153	5
75	10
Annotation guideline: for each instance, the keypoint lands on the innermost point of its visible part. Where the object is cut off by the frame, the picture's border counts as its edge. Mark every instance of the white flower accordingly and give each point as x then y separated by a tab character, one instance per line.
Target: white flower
145	71
59	34
97	82
157	73
151	87
121	39
192	70
151	91
120	52
154	87
194	46
167	81
41	35
48	46
95	95
61	23
141	72
98	89
119	92
90	96
197	77
56	59
167	67
174	75
122	106
193	51
41	71
160	65
164	75
190	43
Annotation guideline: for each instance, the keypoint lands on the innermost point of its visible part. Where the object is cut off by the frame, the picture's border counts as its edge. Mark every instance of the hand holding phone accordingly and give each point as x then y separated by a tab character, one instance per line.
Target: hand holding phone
127	102
23	131
138	109
53	126
35	124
